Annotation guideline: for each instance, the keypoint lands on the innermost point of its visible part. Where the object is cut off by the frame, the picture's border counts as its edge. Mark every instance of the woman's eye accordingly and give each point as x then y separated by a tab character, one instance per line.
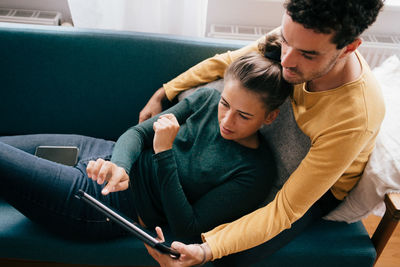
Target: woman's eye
223	103
307	57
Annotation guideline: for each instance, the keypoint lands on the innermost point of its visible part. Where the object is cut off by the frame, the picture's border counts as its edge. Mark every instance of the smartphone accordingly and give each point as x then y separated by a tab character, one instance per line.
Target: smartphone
67	155
124	222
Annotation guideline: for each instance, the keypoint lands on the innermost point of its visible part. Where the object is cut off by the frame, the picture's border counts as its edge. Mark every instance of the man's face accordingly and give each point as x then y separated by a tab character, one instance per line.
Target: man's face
306	55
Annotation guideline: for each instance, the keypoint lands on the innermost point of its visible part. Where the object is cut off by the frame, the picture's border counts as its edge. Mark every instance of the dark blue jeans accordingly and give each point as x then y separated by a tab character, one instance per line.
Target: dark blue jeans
44	191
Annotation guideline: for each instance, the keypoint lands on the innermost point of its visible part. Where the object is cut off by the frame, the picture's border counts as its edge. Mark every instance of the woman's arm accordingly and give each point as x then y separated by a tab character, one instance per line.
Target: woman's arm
127	150
130	145
116	172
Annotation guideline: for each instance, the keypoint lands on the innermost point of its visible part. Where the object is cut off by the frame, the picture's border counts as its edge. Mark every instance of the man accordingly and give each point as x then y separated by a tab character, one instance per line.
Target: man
336	103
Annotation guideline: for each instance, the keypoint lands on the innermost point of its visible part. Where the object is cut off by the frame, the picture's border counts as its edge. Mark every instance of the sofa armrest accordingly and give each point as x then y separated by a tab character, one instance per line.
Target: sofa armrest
388	223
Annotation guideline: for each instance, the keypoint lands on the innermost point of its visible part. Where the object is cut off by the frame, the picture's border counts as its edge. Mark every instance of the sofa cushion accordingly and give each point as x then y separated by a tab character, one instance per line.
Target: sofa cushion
20	238
48	76
71	80
324	244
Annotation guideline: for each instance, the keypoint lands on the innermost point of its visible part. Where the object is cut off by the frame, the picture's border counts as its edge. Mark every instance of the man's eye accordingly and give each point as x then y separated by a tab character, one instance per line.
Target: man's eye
244	117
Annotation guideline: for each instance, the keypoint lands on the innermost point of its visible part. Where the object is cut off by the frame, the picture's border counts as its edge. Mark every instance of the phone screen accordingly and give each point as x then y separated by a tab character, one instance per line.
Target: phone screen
67	155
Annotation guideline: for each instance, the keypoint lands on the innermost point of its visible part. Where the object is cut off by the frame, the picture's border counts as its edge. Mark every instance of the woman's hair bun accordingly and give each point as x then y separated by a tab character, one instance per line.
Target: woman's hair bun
271	47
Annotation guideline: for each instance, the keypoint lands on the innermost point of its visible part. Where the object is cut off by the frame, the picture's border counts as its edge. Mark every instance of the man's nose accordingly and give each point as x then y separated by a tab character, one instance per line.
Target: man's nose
289	58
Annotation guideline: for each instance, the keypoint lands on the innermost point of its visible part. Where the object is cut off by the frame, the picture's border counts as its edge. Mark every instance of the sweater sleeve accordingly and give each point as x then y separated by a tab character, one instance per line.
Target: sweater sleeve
208	70
232	199
130	144
315	175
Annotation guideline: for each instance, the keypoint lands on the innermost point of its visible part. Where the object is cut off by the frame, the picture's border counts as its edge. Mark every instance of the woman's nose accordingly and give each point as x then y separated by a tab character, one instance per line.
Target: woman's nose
228	119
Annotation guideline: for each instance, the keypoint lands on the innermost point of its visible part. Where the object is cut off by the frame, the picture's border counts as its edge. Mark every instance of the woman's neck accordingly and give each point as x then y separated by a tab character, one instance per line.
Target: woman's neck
252	141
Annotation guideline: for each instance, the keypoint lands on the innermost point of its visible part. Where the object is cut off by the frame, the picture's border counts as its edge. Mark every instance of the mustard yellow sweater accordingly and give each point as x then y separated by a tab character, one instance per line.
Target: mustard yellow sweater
342	124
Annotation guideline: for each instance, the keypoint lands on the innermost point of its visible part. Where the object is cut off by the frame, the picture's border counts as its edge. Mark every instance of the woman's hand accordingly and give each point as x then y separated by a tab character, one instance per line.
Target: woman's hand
105	171
190	254
165	130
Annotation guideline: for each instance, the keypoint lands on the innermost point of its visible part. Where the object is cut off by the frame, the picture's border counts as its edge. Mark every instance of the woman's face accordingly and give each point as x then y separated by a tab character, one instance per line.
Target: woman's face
240	113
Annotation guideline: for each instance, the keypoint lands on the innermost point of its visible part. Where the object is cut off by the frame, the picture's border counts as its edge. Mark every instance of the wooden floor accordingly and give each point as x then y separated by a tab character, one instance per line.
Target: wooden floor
391	254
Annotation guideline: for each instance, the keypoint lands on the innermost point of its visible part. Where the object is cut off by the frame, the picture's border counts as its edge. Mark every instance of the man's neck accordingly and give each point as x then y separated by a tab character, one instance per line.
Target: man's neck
345	70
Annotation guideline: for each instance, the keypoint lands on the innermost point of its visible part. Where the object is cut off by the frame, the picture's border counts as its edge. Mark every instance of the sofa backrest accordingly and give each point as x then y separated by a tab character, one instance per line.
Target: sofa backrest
91	82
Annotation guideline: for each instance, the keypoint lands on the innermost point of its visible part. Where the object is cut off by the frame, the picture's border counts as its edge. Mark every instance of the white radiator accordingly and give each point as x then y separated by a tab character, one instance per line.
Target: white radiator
30	16
375	48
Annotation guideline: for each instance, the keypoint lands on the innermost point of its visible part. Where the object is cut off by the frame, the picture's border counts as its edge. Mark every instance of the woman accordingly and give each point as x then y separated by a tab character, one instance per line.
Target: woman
200	164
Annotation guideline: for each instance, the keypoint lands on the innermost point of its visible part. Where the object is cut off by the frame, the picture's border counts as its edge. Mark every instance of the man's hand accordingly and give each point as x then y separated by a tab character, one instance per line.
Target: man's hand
165	130
190	254
154	106
106	171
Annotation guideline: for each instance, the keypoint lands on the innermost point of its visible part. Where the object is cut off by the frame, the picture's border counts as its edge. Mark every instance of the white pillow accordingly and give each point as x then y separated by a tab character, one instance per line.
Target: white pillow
382	172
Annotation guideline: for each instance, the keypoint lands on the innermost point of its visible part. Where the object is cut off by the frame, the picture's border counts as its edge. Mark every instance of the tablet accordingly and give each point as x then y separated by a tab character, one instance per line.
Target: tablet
133	228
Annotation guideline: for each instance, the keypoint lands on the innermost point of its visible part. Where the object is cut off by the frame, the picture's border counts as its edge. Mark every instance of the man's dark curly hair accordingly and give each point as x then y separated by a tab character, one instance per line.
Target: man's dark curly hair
346	18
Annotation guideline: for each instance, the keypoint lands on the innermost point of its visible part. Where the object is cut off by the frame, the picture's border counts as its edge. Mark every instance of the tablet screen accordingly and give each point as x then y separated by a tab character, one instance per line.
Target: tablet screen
124	222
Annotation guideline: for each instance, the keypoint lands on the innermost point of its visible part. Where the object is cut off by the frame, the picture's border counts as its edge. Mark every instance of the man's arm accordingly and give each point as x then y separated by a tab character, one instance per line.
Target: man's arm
154	106
315	175
206	71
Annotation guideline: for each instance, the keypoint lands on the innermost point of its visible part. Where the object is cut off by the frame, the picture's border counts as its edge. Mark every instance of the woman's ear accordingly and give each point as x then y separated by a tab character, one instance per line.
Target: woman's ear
271	116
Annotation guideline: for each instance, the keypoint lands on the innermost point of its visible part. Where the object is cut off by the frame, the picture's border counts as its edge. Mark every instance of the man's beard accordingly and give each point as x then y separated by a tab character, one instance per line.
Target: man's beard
299	77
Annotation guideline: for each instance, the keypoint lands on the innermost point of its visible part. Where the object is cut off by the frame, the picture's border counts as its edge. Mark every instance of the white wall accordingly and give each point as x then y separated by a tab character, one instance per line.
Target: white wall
388	20
268	13
46	5
244	13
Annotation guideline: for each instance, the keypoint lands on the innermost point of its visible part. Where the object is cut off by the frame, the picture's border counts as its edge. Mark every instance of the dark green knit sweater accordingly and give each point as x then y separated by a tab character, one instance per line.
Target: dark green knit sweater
204	180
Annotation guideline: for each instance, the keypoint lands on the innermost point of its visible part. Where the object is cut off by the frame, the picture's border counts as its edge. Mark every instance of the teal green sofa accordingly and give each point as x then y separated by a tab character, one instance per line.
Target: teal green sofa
93	82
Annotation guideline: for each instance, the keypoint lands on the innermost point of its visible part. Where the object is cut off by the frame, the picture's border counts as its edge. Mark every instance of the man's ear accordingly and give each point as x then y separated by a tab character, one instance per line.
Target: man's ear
271	116
350	48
